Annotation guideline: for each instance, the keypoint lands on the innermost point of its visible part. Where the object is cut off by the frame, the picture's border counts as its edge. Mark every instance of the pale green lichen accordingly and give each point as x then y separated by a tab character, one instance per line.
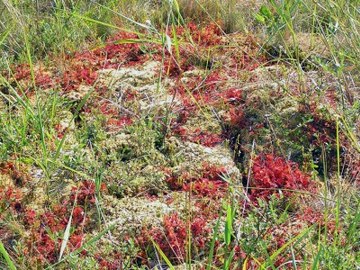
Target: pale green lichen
131	215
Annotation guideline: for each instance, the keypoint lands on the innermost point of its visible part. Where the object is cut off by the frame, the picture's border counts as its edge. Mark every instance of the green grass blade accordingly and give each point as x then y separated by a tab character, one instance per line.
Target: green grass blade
98	22
229	260
66	236
212	245
163	256
83	247
353	228
228	225
316	261
287	244
6	256
82	103
4	35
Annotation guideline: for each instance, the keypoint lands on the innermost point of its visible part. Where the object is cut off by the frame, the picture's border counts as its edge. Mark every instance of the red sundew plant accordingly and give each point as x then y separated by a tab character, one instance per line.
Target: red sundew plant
207	188
11	197
195	40
238	255
44	242
311	216
177	124
201	137
210	35
237	117
29	217
46	235
110	264
117	124
107	108
85	193
22	72
208	94
19	178
206	139
82	67
172	238
44	80
208	184
174	67
76	75
45	248
354	173
112	54
175	182
46	229
320	131
56	221
76	240
232	96
131	94
117	38
173	241
212	81
250	63
78	215
202	38
271	174
212	172
60	131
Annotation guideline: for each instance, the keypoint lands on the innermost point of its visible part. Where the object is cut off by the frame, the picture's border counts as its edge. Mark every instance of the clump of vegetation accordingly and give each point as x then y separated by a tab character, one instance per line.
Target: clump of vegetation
179	134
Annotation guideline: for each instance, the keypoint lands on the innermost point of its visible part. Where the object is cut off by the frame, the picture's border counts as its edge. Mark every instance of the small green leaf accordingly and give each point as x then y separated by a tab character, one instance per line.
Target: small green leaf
265	12
260	18
228	225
